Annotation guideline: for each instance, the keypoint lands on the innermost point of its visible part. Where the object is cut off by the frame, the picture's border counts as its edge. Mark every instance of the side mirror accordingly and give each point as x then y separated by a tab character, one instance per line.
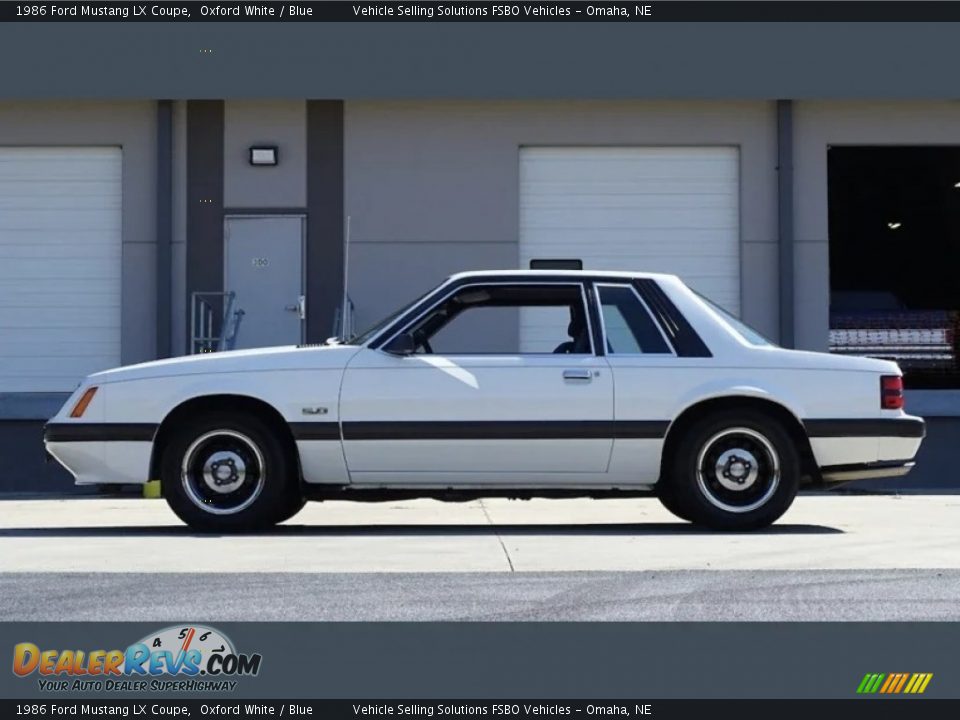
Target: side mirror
403	345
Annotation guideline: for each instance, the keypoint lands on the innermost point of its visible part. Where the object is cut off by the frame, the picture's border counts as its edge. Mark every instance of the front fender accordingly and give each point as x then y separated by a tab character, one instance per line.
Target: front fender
289	392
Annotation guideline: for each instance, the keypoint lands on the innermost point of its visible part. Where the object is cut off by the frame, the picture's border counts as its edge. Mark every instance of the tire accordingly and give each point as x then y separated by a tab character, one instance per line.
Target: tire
229	472
734	470
667	499
296	505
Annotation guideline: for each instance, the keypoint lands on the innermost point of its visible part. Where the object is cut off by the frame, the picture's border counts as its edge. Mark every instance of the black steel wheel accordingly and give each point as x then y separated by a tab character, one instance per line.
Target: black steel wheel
228	473
734	470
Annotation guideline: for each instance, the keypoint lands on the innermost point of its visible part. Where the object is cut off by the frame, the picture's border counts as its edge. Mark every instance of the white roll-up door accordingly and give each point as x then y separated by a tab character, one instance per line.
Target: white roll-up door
60	258
647	209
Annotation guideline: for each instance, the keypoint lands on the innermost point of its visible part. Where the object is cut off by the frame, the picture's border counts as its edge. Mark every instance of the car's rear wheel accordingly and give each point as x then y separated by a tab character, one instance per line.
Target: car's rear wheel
734	471
666	497
225	472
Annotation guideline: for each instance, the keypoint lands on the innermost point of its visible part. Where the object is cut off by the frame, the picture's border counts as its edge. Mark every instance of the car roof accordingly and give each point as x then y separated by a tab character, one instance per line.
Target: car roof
572	274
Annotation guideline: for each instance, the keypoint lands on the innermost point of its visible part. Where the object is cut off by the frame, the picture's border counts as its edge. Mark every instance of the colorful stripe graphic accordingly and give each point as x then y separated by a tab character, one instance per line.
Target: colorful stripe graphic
894	683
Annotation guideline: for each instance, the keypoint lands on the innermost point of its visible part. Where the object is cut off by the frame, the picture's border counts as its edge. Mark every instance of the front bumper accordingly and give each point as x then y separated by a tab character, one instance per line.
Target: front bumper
97	454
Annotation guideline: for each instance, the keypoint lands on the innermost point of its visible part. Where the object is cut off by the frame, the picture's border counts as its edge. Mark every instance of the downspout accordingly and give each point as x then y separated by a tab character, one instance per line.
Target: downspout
785	236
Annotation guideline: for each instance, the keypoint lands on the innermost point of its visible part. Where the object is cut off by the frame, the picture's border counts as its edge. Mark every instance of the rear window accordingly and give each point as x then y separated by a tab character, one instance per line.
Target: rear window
738	326
629	328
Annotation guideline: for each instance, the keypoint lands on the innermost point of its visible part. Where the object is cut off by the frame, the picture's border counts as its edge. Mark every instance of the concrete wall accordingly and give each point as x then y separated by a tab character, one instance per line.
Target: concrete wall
818	125
280	123
433	187
219	181
23	469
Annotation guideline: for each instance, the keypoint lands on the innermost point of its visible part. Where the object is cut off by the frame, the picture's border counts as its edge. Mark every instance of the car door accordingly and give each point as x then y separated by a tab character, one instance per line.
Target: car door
649	378
503	398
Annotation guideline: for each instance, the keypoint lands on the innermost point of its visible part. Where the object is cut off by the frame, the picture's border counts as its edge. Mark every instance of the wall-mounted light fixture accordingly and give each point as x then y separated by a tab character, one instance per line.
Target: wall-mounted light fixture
264	155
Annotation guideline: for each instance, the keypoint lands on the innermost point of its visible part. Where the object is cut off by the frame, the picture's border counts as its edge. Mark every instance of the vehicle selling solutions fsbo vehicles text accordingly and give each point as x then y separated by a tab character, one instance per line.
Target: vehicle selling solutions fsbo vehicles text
496	10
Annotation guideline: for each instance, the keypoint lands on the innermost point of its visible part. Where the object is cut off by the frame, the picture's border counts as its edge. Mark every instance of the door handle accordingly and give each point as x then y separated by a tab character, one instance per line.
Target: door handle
577	374
300	307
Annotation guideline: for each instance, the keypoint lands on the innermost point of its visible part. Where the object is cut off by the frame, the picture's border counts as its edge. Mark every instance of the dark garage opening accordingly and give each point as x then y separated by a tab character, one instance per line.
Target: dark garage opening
894	224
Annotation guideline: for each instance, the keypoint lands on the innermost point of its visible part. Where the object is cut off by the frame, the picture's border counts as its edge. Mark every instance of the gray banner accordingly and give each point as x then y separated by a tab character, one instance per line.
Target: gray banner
523	60
524	660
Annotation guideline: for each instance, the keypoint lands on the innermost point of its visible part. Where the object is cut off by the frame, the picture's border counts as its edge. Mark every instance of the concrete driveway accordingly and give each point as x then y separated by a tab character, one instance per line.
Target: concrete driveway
831	557
820	532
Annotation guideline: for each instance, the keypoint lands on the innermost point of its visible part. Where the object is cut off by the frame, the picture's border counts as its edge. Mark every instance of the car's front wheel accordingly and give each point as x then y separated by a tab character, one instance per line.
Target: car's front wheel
665	495
734	471
225	472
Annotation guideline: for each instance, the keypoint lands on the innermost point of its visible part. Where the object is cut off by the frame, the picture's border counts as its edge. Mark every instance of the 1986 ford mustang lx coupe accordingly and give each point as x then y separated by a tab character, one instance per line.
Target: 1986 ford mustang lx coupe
506	383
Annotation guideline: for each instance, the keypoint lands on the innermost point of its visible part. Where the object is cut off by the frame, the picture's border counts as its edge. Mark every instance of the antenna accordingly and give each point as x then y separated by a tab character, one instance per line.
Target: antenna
344	307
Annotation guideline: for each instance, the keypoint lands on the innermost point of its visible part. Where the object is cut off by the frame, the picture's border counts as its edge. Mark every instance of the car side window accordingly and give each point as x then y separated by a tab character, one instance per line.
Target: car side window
629	327
505	319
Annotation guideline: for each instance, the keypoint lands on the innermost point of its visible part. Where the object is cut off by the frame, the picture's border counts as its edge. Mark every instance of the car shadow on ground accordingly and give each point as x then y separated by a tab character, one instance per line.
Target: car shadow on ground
425	530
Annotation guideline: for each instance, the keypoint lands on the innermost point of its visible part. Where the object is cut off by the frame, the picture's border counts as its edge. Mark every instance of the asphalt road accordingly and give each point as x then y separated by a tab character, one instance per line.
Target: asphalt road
855	595
830	558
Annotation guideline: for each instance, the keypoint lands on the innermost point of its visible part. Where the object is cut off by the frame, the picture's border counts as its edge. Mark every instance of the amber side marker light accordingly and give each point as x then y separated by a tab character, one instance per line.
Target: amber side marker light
81	406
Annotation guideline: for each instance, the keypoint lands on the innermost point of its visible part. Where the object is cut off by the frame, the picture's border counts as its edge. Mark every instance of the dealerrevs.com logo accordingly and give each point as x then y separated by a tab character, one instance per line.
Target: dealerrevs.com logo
201	658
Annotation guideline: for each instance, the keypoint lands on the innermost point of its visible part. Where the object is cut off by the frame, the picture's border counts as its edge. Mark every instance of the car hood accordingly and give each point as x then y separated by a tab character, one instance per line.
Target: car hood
290	357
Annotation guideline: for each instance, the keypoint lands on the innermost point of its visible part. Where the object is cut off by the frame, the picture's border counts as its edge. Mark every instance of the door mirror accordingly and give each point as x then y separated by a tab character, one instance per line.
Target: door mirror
403	345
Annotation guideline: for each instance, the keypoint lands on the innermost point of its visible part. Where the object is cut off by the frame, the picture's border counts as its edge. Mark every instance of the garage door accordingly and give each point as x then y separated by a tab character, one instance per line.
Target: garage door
649	209
60	241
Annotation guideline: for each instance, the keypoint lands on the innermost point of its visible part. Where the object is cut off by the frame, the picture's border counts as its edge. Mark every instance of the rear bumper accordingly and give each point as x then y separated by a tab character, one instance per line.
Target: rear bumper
866	471
906	427
864	449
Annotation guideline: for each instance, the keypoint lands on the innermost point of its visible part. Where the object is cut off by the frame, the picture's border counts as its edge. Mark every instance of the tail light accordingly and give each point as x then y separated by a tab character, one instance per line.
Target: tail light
891	392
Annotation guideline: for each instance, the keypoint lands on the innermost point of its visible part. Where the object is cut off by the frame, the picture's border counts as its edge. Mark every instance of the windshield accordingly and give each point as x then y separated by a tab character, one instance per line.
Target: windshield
366	335
740	327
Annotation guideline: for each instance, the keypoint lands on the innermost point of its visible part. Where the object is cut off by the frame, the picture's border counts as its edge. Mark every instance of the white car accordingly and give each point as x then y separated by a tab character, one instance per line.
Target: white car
507	383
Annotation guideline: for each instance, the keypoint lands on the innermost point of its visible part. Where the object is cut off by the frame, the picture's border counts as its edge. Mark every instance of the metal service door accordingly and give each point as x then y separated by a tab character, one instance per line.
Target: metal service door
263	266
